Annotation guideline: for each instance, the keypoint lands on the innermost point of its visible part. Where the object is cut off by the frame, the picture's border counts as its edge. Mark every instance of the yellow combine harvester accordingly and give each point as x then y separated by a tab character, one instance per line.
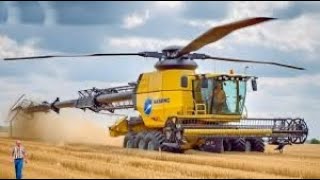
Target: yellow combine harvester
179	109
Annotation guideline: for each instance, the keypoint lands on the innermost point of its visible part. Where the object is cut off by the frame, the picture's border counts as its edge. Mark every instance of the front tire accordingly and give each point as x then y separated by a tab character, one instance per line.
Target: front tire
129	141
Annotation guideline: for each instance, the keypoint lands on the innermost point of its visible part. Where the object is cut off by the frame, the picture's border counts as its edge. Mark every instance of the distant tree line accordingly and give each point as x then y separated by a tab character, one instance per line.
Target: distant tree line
314	141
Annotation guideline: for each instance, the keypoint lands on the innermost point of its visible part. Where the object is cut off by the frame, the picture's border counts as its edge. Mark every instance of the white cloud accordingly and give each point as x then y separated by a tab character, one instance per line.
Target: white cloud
50	13
10	48
165	9
246	9
152	10
240	10
297	34
135	43
136	19
13	13
169	4
142	43
202	24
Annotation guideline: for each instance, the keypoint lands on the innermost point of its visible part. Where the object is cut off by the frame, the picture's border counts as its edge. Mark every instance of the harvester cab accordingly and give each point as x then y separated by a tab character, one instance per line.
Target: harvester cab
221	93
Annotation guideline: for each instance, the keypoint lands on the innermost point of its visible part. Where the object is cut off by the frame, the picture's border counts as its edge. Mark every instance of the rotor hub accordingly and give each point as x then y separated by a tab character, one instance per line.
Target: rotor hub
171	52
176	64
171	61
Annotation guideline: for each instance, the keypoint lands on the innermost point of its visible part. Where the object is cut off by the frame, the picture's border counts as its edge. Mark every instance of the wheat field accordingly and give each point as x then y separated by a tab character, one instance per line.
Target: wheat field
49	160
64	152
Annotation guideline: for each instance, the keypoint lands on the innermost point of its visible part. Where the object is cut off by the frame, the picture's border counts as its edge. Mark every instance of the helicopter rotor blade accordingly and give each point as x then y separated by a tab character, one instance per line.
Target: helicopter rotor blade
143	54
198	56
218	32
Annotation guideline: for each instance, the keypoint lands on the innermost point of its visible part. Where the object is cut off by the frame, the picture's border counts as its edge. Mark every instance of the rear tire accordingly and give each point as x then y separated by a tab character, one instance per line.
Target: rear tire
153	140
239	145
258	145
227	145
140	141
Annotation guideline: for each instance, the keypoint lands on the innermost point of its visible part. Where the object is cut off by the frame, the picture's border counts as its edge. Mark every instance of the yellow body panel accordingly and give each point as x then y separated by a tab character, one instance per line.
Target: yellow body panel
154	119
163	90
212	117
119	128
227	132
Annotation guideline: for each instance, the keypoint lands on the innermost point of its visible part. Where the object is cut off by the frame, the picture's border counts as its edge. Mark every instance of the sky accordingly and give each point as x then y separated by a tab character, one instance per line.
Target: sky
39	28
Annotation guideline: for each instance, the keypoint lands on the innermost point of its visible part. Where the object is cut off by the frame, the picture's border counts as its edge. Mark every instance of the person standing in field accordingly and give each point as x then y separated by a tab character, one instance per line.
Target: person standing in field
18	158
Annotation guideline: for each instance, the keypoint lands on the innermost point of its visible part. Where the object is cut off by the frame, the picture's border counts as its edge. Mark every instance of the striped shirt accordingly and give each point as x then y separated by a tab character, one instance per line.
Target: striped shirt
18	152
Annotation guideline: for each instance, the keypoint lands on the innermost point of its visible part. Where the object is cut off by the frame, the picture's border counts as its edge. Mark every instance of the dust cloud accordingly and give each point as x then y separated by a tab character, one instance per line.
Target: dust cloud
70	126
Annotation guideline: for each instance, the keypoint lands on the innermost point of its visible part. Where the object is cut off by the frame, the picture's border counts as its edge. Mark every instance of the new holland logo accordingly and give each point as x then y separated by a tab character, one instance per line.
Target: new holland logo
147	106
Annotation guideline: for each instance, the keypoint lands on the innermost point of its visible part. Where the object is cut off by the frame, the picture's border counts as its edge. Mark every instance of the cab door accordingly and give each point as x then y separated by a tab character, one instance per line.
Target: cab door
202	90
